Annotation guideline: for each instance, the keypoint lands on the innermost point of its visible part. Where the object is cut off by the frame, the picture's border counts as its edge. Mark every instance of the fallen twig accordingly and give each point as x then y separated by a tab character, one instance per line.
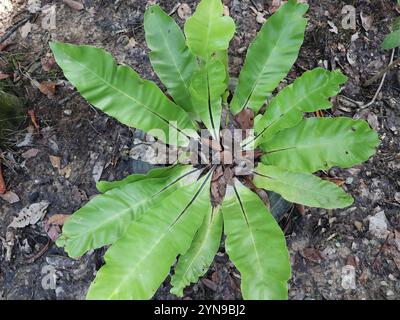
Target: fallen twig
67	98
40	253
256	5
32	116
14	28
380	86
381	73
380	250
3	188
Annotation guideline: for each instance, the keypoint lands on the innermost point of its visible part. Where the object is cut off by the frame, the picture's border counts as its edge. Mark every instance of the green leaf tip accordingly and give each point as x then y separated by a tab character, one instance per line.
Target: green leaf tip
308	93
270	56
208	31
171	59
303	188
256	245
321	143
108	86
196	261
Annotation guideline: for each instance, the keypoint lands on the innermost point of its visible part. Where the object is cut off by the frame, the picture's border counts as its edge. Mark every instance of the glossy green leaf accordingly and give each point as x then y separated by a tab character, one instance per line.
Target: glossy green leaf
223	57
106	217
270	56
321	143
196	261
170	57
309	93
137	263
104	186
392	40
256	245
207	31
121	93
304	188
207	86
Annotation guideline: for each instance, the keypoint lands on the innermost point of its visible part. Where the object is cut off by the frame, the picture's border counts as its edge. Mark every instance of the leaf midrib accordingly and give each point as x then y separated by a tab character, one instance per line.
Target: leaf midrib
124	212
120	91
283	182
294	106
172	56
132	270
267	62
202	245
317	145
251	235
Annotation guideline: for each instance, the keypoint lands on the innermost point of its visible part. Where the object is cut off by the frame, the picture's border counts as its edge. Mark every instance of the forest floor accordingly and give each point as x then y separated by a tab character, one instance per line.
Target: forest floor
352	253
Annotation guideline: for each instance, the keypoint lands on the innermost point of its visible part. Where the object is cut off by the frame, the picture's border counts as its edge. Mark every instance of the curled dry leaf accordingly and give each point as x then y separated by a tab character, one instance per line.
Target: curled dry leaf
9	243
48	88
351	58
2	182
98	170
76	5
31	153
245	119
10	197
226	11
348	277
32	115
47	62
338	181
58	219
66	171
28	139
53	225
30	215
351	261
210	284
260	18
366	21
333	28
34	6
276	4
218	186
397	197
131	43
25	29
300	209
259	15
53	232
184	11
4	46
312	254
397	239
55	162
4	76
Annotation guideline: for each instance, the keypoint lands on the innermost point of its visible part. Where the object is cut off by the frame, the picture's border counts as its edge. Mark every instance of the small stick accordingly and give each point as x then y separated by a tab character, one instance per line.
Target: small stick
380	86
255	5
32	115
381	73
40	253
67	98
174	9
380	250
12	29
3	188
